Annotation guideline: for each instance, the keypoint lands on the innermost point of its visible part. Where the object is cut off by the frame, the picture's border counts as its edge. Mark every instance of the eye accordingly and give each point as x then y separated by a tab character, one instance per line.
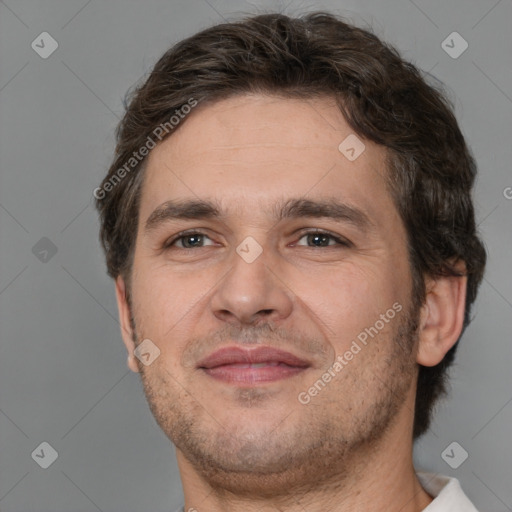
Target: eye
187	240
320	238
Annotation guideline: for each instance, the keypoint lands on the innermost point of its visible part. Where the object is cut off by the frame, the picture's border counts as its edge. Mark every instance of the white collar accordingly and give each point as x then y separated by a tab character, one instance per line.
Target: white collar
447	493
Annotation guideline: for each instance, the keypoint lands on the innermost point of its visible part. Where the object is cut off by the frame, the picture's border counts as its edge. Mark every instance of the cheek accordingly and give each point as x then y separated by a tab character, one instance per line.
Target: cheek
166	306
349	300
164	290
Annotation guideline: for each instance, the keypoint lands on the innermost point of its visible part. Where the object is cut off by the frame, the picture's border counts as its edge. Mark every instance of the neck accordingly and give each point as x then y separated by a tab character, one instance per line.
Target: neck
379	478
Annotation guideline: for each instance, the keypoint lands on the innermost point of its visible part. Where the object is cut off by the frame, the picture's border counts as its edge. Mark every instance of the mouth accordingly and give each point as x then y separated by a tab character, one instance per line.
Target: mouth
259	365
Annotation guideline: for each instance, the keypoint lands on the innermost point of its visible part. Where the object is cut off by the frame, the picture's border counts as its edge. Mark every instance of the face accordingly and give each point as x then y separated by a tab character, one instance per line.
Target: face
294	248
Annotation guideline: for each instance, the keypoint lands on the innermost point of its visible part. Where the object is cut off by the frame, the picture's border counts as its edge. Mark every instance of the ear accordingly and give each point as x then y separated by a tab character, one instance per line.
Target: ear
442	317
124	317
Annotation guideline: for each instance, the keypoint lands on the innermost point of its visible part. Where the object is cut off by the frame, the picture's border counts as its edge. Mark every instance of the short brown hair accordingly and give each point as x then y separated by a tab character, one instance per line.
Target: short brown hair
383	98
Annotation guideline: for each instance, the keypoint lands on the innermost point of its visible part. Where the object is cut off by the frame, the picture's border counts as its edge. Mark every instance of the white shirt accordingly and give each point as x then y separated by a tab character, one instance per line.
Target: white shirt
447	493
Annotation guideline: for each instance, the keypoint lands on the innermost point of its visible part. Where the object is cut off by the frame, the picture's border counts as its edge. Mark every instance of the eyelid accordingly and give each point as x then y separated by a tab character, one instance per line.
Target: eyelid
197	231
314	231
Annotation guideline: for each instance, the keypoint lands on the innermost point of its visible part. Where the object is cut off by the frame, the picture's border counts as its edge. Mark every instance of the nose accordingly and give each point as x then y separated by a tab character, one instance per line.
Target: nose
251	293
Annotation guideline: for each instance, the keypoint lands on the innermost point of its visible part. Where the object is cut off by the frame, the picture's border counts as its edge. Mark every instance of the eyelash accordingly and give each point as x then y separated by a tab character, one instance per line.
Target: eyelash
183	234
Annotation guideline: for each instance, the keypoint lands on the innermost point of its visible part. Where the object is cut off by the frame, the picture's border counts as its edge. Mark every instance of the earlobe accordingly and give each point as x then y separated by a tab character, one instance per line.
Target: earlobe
124	320
442	318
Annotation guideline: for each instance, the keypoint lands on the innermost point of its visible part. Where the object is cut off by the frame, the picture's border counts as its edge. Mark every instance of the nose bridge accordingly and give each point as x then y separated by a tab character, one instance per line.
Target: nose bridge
250	289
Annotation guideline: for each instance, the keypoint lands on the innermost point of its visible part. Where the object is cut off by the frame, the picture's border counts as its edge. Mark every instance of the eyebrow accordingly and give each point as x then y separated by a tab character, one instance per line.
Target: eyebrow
290	209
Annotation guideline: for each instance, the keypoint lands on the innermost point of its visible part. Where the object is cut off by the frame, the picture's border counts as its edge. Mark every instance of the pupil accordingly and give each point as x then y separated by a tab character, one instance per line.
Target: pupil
319	237
192	237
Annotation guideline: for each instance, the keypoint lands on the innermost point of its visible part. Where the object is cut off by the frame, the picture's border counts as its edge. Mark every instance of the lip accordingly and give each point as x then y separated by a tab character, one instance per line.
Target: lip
234	364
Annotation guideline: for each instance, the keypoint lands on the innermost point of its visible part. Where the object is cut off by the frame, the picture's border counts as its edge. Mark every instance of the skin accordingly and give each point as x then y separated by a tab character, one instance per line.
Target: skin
258	448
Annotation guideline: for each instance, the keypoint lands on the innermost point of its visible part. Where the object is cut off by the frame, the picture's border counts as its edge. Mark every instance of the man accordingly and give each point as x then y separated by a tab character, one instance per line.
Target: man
289	222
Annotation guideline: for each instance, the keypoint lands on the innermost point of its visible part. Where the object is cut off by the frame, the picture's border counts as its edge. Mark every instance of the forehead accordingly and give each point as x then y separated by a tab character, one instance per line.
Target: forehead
249	151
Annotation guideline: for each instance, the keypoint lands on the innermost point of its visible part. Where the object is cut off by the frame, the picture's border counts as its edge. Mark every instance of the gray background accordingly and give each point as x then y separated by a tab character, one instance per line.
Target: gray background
63	373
